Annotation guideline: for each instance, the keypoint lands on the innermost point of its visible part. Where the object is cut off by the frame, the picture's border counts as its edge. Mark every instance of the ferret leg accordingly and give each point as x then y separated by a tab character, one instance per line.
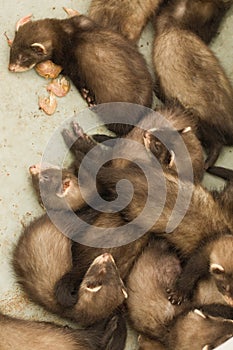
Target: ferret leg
196	268
218	310
66	289
212	155
78	140
88	97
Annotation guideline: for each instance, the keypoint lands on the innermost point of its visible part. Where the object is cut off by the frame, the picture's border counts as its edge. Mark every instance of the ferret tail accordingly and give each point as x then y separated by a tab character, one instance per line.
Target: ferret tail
222	172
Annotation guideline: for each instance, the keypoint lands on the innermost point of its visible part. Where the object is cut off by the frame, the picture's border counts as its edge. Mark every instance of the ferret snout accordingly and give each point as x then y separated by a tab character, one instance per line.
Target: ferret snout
35	169
104	258
12	67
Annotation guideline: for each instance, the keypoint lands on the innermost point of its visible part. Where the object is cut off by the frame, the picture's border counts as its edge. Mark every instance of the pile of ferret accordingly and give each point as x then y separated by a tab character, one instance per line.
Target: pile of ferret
175	288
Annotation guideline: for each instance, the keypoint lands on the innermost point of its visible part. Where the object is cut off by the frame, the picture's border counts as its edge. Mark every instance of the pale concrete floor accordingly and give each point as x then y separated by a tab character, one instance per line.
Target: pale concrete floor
25	131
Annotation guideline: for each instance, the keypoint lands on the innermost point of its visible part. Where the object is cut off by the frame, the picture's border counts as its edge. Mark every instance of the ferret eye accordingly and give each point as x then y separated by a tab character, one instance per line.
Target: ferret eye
217	271
44	177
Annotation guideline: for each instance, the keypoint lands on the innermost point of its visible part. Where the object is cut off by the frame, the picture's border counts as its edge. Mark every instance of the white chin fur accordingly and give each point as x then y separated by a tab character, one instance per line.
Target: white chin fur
94	290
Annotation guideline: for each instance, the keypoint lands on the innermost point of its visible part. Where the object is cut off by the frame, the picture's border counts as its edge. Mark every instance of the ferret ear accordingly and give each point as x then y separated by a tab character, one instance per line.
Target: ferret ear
23	21
64	188
39	48
71	12
217	269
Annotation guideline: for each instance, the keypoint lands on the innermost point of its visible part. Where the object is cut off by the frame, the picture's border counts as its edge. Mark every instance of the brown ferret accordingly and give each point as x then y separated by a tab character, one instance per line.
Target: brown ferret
193	329
197	330
26	335
148	306
203	17
213	258
93	57
195	79
36	264
126	17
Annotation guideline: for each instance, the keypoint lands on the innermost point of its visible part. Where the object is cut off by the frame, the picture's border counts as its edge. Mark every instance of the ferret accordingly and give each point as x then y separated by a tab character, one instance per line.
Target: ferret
195	79
203	17
26	335
37	268
149	309
126	17
93	57
169	148
211	259
197	330
193	329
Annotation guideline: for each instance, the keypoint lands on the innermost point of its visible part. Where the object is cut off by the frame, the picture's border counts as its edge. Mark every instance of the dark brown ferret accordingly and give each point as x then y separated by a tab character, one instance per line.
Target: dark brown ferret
195	79
126	17
94	58
26	335
203	17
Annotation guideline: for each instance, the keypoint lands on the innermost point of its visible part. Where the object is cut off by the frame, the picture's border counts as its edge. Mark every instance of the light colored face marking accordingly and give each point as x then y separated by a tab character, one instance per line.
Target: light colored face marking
172	161
94	290
186	130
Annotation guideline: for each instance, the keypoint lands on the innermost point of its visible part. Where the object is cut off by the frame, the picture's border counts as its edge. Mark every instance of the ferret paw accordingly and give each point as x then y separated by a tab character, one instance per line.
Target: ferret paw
175	297
88	97
78	140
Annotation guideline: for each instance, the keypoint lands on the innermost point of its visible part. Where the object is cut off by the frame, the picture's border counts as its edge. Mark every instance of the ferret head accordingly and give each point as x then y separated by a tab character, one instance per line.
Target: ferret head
221	266
56	188
32	44
102	288
153	141
199	329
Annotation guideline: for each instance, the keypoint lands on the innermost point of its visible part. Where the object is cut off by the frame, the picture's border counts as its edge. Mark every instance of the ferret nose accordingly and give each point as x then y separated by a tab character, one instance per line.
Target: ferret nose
12	67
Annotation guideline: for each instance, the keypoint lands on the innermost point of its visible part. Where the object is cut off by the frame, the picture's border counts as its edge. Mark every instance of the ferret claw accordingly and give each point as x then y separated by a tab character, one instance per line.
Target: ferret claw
88	97
174	298
78	130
